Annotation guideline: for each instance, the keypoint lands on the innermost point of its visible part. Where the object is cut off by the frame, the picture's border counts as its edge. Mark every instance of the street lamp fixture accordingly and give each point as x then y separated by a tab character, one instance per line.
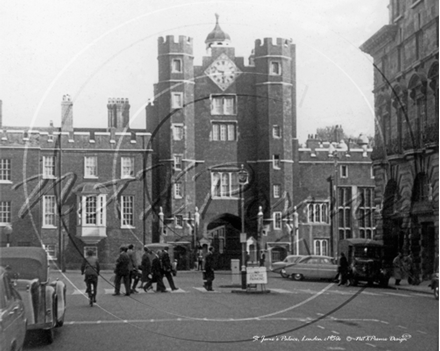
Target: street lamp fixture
242	180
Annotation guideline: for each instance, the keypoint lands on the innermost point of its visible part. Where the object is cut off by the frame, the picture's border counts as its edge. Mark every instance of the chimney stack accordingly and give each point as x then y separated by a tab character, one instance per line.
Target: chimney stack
66	114
118	113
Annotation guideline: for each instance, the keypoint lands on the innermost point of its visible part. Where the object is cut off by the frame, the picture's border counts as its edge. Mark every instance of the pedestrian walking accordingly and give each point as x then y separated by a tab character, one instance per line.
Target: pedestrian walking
398	268
262	258
167	268
122	271
134	275
145	267
156	275
208	273
90	268
200	260
410	272
342	269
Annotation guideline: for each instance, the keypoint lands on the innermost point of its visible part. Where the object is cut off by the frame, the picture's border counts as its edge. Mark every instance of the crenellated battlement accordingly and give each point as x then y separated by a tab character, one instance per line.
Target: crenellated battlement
184	45
273	46
329	152
97	139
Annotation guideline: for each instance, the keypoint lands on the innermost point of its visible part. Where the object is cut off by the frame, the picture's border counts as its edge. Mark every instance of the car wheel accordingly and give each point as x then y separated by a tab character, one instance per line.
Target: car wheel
297	276
436	292
284	275
49	334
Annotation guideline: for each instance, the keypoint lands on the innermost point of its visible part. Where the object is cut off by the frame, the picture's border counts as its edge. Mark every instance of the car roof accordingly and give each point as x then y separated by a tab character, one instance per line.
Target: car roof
28	262
359	241
319	256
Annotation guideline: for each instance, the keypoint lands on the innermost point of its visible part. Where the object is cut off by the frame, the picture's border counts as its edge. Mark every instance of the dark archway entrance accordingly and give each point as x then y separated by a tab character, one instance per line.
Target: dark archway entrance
182	256
224	234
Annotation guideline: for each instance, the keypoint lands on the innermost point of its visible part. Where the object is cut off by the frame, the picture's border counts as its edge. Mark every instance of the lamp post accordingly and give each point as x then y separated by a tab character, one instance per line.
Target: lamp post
193	228
161	225
295	231
242	180
333	180
259	232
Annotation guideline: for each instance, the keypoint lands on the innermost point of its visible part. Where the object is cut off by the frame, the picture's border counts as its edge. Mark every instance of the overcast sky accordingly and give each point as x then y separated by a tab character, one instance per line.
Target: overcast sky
96	49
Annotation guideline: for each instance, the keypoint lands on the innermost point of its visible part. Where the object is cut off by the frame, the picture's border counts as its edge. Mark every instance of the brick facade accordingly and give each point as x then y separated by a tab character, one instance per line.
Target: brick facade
34	196
284	177
405	54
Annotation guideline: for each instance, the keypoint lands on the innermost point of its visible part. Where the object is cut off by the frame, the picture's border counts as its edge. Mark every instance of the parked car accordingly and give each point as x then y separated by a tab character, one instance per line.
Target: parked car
44	300
366	261
277	267
12	314
312	267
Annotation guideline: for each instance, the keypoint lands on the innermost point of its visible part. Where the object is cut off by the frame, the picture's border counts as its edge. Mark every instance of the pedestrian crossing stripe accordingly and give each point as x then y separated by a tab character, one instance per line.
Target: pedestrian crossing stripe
206	291
282	291
369	293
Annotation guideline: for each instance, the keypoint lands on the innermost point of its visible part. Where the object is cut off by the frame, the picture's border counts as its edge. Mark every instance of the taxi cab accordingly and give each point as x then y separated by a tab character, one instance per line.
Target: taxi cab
12	314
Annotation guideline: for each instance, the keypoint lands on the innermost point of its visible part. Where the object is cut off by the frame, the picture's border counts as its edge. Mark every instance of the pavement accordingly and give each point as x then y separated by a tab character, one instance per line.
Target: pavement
422	288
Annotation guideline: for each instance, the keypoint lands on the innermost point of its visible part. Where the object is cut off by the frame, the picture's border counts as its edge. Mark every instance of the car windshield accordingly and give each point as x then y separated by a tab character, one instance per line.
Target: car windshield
367	252
291	259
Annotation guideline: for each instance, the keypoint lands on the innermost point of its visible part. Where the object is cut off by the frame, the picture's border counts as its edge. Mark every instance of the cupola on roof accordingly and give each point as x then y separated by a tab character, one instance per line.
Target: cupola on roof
217	36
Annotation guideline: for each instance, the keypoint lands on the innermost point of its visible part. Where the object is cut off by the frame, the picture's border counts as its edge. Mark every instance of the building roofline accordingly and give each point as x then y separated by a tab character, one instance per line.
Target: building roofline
383	35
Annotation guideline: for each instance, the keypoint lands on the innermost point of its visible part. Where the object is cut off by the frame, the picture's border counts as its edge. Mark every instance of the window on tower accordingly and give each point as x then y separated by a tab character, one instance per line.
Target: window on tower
276	191
276	132
176	66
224	185
223	104
276	162
176	100
275	68
178	162
178	130
224	131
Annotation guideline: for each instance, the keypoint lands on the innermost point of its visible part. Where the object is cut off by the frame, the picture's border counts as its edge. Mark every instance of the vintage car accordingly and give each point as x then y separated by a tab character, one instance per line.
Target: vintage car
277	267
312	267
44	300
12	315
365	261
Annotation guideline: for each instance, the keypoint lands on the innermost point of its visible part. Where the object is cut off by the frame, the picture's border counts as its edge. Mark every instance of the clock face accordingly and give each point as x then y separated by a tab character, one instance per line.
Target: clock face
223	72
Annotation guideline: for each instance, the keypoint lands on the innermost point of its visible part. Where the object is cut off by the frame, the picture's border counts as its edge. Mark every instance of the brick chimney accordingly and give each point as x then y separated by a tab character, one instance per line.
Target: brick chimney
66	114
118	113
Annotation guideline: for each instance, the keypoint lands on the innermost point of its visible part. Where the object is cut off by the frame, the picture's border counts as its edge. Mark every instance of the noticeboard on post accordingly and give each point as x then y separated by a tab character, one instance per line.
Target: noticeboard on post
256	275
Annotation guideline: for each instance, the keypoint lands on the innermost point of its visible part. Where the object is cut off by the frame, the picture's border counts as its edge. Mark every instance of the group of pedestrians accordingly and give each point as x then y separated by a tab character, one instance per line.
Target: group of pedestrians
147	272
154	271
129	273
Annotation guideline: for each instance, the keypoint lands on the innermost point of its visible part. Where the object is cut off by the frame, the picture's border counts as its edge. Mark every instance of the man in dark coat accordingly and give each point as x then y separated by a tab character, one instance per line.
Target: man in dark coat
167	268
343	269
208	273
122	272
134	276
156	272
145	267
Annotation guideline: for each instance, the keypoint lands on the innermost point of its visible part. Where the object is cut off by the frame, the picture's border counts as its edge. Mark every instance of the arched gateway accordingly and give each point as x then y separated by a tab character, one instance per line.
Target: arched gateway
223	233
